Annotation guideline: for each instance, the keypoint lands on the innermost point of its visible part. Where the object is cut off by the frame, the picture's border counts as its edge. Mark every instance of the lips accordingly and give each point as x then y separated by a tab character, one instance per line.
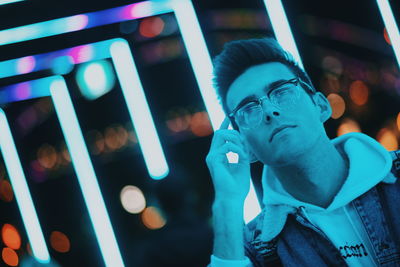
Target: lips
278	129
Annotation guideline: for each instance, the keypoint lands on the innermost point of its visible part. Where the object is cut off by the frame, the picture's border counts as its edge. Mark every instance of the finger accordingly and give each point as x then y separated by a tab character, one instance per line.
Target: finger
230	147
225	123
223	136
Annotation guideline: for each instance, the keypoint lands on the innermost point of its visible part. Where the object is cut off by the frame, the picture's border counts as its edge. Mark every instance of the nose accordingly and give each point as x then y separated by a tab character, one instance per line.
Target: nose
270	111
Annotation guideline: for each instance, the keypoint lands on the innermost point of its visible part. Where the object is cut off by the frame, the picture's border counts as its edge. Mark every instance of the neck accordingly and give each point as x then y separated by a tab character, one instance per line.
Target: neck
316	176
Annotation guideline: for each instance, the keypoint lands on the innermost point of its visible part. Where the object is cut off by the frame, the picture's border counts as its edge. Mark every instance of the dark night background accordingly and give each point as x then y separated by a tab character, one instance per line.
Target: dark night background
342	45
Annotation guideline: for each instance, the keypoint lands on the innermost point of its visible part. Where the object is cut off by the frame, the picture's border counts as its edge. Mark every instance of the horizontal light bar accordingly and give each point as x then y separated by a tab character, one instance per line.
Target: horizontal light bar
4	2
139	110
85	173
83	21
281	28
391	27
22	193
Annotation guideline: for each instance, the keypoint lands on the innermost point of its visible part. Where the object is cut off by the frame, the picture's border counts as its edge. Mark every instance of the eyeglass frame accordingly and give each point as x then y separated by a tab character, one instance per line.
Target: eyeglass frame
296	81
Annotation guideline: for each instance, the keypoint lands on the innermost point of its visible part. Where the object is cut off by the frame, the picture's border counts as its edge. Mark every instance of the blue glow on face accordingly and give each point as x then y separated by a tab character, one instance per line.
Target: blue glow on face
85	173
281	28
139	109
21	192
95	79
391	27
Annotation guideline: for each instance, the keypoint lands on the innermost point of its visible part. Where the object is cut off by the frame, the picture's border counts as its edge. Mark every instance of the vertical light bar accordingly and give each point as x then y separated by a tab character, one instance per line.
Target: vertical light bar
281	28
203	70
391	26
199	58
21	191
139	110
85	173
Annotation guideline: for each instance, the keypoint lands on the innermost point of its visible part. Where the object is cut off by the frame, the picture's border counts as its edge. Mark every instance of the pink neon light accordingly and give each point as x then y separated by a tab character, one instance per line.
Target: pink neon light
137	10
78	22
26	64
81	53
22	91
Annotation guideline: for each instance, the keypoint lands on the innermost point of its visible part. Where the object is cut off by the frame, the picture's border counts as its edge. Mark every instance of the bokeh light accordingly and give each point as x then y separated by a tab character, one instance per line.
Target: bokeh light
10	236
152	218
111	138
200	124
60	242
332	65
359	92
388	139
337	104
132	199
398	121
10	257
151	27
386	36
348	126
95	79
6	192
47	156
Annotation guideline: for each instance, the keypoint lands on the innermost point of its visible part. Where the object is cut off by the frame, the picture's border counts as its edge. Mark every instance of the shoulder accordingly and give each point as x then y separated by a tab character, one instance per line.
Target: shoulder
256	248
396	163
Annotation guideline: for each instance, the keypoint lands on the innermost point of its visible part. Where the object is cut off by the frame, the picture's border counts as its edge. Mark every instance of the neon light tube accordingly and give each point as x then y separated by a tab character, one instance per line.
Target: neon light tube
4	2
21	191
281	28
199	58
83	21
85	173
139	110
391	27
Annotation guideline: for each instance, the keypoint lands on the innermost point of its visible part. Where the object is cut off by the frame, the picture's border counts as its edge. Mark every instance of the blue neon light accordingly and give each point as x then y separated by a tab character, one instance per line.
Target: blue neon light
139	109
85	173
83	21
22	193
281	28
391	27
4	2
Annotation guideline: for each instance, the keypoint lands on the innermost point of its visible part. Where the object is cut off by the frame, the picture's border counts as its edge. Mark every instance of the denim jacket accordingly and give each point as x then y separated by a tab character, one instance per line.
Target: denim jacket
300	243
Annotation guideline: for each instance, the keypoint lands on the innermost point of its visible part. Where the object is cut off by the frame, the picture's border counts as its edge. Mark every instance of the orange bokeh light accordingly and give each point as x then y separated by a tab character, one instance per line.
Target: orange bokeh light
10	257
386	36
200	124
337	104
151	27
348	126
6	192
59	242
152	218
398	121
359	92
47	156
10	236
387	139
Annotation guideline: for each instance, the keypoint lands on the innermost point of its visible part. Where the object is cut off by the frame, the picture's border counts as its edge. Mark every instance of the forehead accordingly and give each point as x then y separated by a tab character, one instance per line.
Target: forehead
255	80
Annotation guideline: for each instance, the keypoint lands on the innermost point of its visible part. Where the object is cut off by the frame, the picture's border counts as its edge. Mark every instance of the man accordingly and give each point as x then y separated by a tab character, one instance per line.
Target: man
326	202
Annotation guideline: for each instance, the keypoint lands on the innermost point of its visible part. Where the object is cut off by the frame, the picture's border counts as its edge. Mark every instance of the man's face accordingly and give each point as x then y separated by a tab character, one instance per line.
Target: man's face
303	118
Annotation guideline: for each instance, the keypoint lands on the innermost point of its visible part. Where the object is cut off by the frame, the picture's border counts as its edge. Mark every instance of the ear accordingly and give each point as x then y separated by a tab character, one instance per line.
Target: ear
323	106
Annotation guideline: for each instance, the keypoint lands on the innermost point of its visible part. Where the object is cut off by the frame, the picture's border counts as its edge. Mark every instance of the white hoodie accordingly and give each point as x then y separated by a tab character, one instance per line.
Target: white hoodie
369	164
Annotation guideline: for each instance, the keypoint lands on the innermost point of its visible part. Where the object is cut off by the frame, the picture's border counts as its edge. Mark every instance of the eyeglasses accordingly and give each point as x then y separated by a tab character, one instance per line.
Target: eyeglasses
249	114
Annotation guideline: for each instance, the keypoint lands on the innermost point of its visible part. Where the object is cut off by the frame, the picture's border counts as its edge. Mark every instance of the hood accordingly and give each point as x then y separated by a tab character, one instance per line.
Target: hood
369	164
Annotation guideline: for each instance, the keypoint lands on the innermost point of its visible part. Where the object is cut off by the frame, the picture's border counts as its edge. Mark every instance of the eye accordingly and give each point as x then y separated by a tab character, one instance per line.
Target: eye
249	107
282	90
